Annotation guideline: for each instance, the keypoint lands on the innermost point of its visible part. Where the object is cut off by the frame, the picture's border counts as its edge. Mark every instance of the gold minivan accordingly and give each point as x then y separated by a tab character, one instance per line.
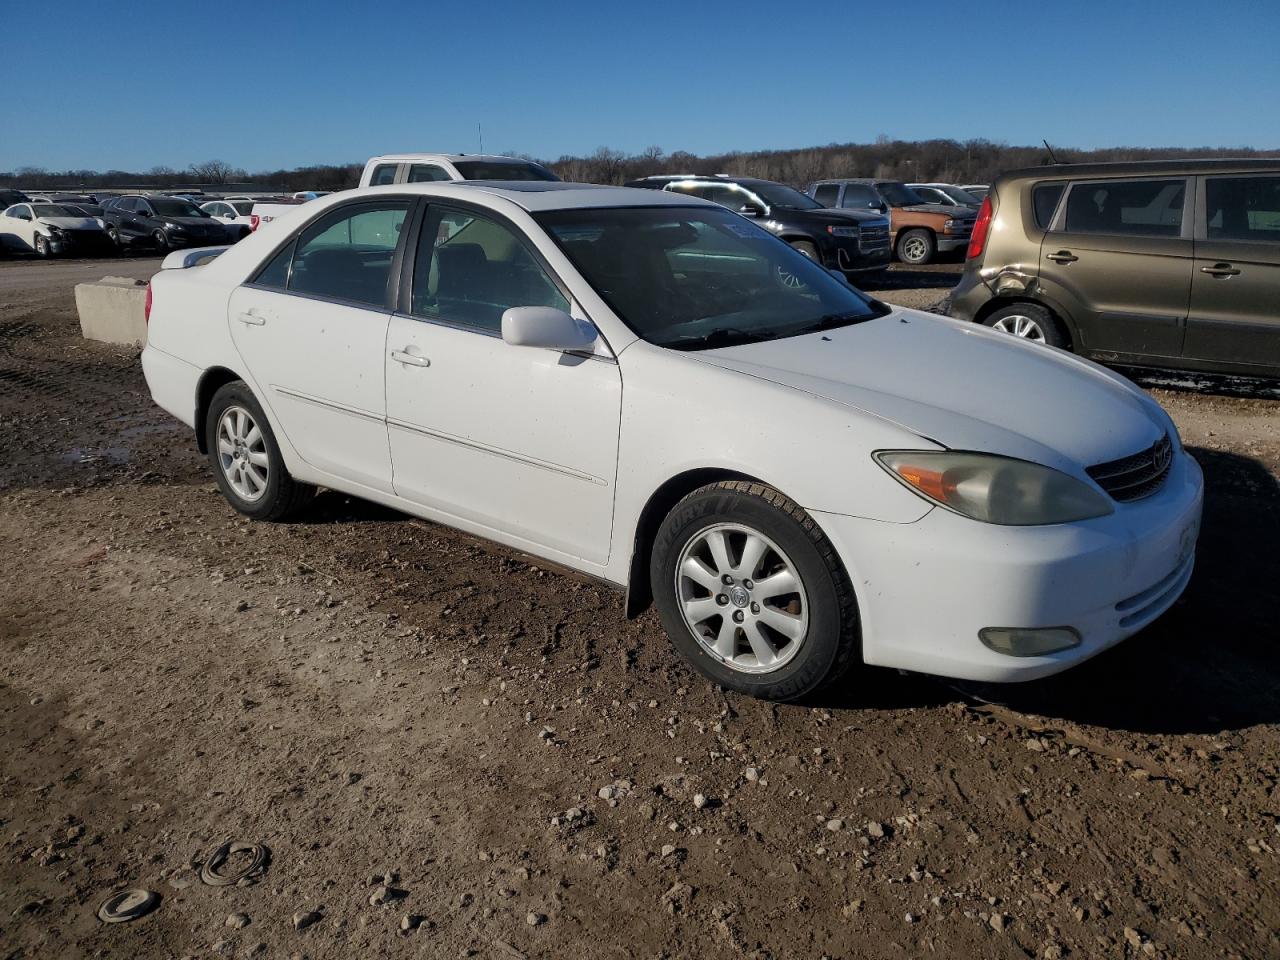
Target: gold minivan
1164	263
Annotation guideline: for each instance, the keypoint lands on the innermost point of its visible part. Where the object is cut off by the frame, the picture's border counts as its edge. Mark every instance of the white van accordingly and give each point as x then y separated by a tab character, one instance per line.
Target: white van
426	167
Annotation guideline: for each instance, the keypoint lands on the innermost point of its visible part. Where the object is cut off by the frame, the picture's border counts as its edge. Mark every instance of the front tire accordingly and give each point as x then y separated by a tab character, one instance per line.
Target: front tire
807	249
161	241
752	593
246	458
43	249
917	247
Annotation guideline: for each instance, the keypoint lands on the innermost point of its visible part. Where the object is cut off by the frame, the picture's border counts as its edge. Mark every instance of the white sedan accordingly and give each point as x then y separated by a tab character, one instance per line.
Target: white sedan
52	228
232	211
650	389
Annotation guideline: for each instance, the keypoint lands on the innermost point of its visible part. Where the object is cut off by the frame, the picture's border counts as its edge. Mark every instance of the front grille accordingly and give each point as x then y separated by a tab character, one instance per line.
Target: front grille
1137	476
873	238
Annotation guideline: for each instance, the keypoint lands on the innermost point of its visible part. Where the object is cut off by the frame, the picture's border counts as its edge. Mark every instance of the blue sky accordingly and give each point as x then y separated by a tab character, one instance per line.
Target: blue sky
266	85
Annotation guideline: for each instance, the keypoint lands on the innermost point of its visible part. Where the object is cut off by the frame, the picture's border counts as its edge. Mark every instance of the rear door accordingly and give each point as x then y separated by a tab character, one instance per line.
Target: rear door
312	329
1117	257
1235	284
516	440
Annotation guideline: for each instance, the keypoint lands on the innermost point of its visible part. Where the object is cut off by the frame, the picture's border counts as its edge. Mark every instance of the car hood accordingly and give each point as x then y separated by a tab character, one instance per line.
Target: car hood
69	223
963	387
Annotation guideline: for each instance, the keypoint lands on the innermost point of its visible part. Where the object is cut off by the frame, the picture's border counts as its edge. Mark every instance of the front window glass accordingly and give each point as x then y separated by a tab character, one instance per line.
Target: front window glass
384	174
691	278
54	210
503	170
347	254
826	194
426	173
1243	208
777	195
861	197
243	207
470	270
1140	208
962	197
899	194
166	207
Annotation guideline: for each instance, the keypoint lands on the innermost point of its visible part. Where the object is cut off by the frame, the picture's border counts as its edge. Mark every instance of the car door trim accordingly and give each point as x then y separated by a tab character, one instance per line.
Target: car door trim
497	451
329	404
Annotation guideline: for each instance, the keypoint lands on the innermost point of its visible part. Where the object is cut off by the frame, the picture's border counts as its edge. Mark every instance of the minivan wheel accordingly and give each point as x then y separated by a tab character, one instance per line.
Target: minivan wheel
246	458
752	593
916	247
1028	321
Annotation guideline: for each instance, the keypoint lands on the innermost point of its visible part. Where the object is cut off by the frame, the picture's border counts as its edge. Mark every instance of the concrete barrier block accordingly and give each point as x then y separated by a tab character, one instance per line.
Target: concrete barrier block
112	310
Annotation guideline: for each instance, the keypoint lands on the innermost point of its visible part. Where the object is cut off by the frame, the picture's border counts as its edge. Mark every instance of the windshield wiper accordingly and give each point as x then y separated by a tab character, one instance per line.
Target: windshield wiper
831	321
720	337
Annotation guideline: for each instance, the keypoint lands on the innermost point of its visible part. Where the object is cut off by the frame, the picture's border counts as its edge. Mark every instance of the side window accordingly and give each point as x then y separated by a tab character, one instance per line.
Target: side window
276	273
347	254
470	269
1243	208
142	208
426	173
242	208
727	196
1137	208
860	196
22	213
1044	200
827	193
383	174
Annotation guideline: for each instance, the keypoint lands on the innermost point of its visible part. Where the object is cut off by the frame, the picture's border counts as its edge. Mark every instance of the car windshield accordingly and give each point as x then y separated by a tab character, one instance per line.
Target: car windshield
963	197
691	278
176	208
777	195
502	170
54	210
899	195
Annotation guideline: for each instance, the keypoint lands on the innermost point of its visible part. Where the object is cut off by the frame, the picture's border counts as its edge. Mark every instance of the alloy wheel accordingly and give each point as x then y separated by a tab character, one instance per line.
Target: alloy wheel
914	249
242	453
741	597
1020	326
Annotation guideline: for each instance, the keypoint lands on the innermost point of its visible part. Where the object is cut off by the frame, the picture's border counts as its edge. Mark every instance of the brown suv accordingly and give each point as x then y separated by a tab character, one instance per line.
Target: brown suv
1165	264
920	230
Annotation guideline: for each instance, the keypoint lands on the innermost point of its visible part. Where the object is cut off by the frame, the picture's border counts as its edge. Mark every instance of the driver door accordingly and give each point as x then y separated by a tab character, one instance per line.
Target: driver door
518	440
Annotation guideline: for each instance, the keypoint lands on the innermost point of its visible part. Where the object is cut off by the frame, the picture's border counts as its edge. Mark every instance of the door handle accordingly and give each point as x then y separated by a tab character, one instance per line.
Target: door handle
412	359
1221	270
252	319
1062	256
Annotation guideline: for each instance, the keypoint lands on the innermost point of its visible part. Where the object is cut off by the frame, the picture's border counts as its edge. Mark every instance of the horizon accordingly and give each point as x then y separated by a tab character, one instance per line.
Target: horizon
315	86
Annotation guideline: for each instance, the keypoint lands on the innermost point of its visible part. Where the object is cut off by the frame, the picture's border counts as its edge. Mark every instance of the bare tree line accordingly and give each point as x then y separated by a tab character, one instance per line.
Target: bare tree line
950	161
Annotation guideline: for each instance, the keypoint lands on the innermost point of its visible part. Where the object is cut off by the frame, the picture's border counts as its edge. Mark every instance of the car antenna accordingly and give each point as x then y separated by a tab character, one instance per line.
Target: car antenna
480	133
1050	149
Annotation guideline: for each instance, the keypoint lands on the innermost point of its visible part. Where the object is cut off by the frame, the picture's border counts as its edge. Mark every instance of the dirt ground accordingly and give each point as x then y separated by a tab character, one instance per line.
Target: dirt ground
451	751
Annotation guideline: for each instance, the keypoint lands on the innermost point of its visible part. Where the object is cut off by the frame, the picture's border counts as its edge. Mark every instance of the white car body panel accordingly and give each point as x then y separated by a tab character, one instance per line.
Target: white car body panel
558	454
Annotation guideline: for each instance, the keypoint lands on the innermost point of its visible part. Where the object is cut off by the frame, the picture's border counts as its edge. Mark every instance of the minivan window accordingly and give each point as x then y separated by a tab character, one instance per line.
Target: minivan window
383	174
826	194
1044	200
1243	208
470	270
1138	208
347	254
426	173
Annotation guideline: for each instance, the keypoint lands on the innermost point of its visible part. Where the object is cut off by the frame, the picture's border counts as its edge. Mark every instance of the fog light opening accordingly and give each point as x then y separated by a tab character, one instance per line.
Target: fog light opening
1029	642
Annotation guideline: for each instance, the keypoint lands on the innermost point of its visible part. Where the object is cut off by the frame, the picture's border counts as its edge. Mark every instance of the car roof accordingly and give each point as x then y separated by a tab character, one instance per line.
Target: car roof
539	195
1144	168
449	157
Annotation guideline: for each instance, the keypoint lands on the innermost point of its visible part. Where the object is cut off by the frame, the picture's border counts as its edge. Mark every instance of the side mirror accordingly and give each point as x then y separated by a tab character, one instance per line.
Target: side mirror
751	210
546	327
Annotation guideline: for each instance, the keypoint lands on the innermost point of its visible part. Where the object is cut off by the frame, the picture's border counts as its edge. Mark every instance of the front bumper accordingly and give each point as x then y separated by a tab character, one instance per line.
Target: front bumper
65	244
846	255
925	589
950	242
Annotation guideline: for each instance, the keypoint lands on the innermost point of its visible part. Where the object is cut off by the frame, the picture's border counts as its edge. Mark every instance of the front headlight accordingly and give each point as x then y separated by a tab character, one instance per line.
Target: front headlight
843	231
53	231
994	489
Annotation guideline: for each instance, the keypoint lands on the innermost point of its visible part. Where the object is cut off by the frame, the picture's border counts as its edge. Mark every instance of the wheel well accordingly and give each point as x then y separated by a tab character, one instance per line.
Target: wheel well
213	379
997	303
798	238
905	230
639	589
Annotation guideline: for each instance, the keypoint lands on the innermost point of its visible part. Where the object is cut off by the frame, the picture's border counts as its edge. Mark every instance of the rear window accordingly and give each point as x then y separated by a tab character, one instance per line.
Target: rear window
1044	199
1243	208
1138	208
383	174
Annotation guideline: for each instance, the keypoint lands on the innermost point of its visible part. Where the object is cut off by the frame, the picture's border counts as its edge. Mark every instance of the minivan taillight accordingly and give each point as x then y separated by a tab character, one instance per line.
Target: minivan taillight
146	306
981	227
254	220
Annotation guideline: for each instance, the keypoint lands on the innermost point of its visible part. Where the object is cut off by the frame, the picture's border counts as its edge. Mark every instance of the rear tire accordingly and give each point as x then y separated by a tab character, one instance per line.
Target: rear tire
731	609
1031	322
916	247
246	458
